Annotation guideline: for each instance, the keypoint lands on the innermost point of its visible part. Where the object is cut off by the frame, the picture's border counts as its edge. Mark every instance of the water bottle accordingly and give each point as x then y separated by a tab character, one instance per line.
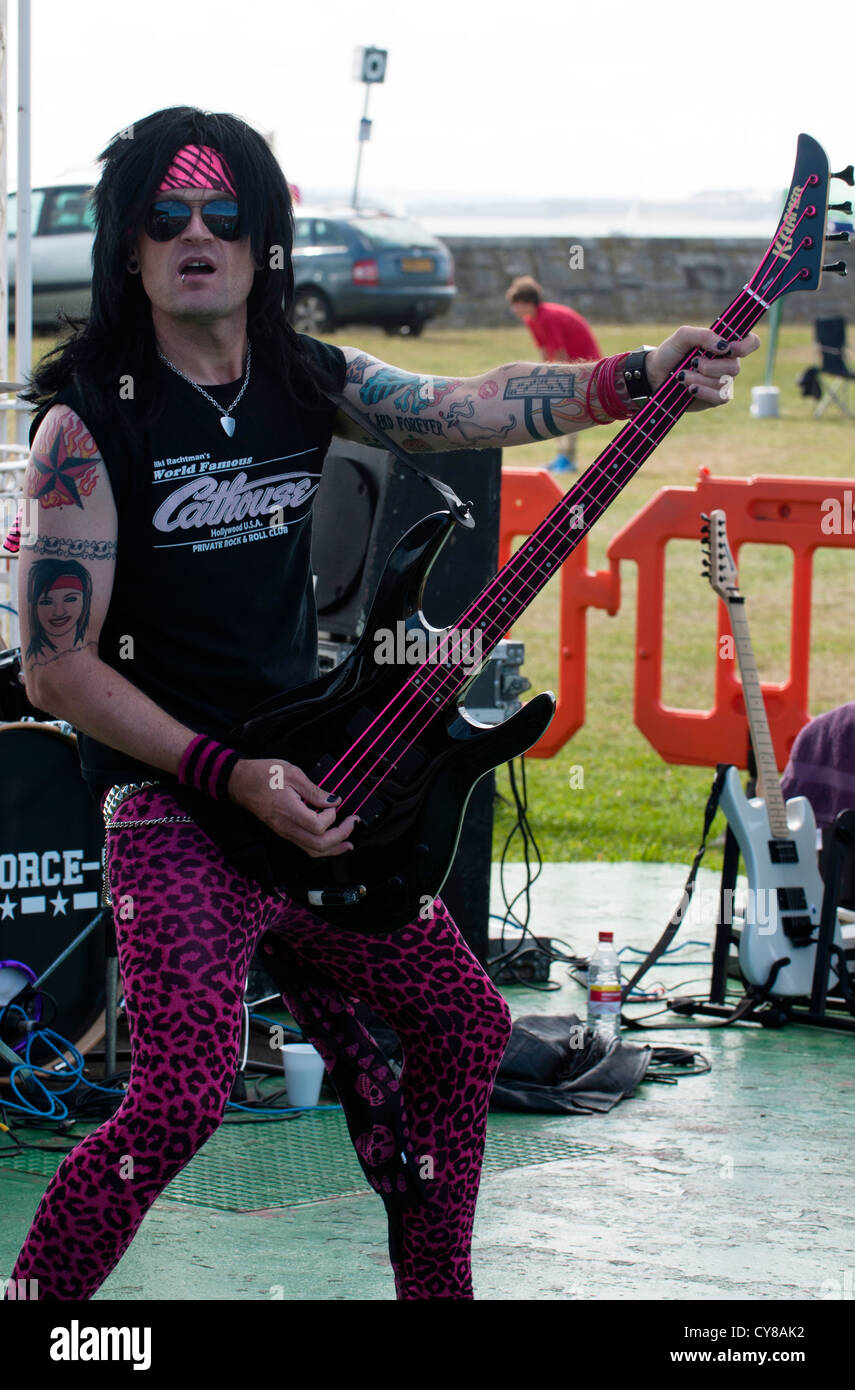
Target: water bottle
604	987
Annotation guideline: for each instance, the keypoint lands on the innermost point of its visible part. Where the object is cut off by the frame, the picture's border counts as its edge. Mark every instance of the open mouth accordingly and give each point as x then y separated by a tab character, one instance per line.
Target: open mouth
195	267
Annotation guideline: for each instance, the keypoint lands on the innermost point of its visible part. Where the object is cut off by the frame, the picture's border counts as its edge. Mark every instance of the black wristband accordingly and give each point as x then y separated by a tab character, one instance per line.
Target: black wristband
634	372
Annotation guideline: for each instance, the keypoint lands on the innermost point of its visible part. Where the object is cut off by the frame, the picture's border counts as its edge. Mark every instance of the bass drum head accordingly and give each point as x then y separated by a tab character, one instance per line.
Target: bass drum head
51	846
13	695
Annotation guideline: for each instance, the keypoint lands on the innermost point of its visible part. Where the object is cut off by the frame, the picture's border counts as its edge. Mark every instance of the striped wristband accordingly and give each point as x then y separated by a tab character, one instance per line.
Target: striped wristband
207	766
607	388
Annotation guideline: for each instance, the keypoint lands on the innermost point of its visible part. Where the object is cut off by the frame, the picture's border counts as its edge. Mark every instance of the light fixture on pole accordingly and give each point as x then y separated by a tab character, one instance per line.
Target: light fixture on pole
369	67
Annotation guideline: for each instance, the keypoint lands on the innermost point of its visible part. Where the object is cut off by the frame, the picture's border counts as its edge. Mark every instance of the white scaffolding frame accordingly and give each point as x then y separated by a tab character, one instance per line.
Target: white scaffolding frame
14	452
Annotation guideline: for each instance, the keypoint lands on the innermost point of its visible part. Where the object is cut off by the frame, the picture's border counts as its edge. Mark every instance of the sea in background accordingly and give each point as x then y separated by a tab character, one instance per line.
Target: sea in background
717	214
580	227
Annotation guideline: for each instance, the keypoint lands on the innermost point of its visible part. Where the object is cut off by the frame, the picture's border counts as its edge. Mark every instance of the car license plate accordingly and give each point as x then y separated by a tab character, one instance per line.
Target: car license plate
419	263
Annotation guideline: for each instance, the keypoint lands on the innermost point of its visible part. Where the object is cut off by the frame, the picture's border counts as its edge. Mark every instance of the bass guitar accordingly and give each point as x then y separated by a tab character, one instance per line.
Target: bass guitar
777	840
392	742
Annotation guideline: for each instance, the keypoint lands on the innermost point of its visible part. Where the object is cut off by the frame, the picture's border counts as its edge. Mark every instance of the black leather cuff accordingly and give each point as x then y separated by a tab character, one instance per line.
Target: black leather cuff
634	372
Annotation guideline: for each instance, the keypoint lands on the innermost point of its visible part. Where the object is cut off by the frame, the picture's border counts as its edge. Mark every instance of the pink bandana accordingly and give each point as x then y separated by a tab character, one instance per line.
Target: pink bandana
198	166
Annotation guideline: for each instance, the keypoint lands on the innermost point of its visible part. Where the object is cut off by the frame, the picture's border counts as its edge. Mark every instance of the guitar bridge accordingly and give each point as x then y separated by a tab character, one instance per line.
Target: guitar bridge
799	930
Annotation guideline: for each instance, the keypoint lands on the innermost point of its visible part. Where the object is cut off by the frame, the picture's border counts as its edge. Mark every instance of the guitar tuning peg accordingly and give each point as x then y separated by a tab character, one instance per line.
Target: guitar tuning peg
837	268
837	236
846	175
841	207
704	516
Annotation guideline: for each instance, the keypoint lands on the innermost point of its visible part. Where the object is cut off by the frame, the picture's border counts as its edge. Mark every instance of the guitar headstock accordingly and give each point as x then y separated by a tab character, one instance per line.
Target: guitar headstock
793	260
718	564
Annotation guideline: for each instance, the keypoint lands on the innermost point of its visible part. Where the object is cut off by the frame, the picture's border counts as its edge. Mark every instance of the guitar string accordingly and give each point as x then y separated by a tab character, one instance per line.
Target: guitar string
446	687
758	718
509	572
536	541
526	554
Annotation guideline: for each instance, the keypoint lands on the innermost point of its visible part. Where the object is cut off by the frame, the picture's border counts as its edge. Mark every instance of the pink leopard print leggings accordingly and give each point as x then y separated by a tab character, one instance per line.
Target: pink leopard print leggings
184	956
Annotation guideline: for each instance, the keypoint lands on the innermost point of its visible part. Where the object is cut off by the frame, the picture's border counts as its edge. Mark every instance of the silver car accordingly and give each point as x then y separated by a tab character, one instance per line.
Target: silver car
62	221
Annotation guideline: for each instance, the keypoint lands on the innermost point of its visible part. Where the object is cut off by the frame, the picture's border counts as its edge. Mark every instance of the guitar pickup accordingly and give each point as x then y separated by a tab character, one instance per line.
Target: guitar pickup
370	810
783	852
798	929
792	900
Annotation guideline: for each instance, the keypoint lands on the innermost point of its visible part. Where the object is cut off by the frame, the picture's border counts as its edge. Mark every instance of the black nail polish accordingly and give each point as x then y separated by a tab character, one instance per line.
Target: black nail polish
333	798
695	363
693	390
721	345
681	376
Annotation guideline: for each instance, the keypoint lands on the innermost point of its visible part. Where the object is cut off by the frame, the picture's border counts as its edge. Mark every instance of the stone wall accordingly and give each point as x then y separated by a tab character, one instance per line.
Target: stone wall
626	279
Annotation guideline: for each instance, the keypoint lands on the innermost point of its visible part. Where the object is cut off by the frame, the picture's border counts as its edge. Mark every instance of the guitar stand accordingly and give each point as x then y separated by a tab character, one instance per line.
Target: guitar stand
824	1009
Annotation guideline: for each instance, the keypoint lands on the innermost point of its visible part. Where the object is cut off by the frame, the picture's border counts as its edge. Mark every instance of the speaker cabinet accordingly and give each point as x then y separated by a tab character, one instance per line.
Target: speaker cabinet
367	500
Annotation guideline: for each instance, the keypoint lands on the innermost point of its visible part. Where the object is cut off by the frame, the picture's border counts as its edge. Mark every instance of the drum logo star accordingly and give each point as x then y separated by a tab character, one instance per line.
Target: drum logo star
60	478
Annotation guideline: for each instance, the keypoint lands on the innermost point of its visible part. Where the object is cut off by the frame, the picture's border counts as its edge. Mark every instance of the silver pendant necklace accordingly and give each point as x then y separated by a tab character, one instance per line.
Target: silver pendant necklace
226	419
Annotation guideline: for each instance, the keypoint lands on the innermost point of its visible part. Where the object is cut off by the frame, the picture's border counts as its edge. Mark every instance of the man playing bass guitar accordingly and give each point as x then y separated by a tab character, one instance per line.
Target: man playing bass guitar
178	445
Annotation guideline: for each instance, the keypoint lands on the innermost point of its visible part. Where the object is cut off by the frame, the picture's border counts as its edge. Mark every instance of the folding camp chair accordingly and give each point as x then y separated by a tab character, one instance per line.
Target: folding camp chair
834	374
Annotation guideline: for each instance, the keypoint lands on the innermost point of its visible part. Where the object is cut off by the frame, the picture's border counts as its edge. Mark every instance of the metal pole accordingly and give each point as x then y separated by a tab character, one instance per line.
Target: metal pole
4	286
361	143
23	241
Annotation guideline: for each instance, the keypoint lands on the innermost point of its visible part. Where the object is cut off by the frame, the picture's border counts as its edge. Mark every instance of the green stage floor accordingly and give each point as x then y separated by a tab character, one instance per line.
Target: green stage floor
736	1184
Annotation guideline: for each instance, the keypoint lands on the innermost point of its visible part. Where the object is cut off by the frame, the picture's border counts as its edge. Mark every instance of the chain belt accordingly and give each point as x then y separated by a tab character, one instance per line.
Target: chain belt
115	796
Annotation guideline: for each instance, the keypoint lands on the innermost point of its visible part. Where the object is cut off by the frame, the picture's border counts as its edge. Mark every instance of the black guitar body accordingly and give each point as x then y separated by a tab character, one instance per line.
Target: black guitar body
412	803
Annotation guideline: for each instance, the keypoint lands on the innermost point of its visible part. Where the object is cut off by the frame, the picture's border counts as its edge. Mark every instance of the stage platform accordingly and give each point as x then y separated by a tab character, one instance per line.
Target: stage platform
728	1185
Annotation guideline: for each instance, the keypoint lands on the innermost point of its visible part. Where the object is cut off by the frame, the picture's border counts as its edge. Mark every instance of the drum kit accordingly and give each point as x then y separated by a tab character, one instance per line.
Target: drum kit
55	937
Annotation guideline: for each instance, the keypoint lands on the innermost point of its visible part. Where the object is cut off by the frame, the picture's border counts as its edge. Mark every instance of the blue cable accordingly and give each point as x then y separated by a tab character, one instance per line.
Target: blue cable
262	1018
57	1110
671	951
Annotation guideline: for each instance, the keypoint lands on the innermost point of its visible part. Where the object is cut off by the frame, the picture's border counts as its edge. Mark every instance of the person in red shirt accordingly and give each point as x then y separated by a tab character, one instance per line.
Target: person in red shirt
562	336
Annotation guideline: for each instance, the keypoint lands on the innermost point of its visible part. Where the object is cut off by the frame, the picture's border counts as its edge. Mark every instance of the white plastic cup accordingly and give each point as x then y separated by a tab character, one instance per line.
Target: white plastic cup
764	402
304	1071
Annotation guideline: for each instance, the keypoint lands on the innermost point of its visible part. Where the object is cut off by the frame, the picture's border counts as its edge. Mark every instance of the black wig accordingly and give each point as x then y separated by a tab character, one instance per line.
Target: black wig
117	338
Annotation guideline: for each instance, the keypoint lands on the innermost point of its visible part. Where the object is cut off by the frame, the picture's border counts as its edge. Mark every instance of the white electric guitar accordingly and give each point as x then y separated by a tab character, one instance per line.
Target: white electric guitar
777	839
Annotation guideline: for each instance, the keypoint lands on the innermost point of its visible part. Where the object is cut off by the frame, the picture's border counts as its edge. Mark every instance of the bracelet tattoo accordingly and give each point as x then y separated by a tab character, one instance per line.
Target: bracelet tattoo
70	548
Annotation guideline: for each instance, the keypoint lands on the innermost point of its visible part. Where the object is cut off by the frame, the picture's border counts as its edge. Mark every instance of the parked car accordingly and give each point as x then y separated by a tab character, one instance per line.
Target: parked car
62	221
367	267
349	267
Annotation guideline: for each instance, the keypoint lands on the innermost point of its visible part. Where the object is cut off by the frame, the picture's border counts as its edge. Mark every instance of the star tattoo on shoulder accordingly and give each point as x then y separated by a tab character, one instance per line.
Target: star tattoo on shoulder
63	468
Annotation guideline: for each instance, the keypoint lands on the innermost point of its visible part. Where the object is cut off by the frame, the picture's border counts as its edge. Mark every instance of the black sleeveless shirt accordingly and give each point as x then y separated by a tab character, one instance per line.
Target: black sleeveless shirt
212	609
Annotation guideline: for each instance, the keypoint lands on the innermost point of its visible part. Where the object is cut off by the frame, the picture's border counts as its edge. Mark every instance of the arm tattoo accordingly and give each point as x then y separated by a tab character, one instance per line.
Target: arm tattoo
462	416
59	603
411	393
64	463
549	392
64	548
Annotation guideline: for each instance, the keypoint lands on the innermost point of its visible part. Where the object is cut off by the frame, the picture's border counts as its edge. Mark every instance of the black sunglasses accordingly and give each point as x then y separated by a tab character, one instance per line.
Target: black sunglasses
168	217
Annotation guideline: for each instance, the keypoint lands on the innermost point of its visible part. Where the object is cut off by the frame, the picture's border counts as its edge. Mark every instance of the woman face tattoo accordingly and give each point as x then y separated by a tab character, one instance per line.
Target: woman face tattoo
60	599
59	609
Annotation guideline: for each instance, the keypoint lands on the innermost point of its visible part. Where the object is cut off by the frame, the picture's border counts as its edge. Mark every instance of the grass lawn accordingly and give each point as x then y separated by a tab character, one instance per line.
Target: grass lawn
632	805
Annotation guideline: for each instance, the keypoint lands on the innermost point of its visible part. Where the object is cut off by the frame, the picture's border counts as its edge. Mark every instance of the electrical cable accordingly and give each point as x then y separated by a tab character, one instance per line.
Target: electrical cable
511	919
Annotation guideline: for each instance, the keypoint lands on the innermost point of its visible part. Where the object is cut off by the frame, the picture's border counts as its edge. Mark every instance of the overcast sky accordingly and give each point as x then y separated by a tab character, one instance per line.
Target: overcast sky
558	98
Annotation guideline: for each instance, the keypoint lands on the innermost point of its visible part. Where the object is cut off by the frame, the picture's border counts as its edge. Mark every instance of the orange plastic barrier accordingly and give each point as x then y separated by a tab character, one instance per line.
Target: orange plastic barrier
528	494
767	510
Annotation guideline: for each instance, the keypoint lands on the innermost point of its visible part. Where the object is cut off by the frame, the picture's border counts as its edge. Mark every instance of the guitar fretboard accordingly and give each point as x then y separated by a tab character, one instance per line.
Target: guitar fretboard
758	722
506	597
